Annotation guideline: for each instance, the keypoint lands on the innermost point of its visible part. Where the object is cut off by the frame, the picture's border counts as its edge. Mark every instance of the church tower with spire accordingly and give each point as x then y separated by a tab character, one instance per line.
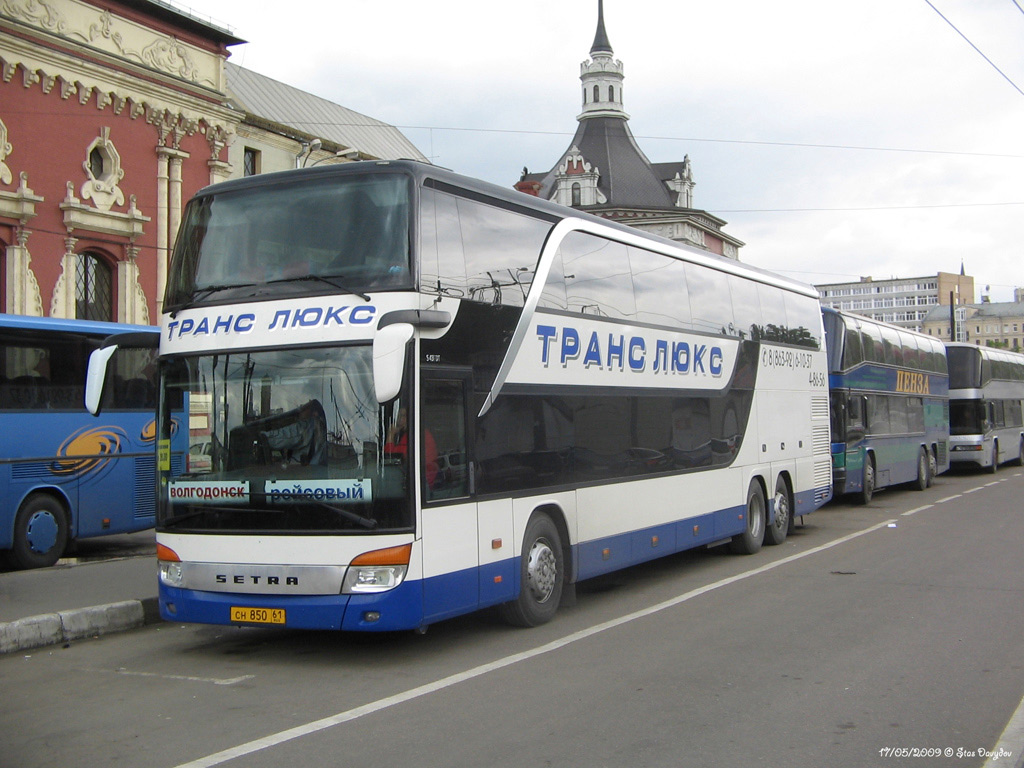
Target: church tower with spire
605	172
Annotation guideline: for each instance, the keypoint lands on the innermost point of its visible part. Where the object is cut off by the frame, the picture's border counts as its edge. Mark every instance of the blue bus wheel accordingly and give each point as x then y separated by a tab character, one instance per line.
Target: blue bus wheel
750	541
541	575
869	480
40	532
923	470
776	532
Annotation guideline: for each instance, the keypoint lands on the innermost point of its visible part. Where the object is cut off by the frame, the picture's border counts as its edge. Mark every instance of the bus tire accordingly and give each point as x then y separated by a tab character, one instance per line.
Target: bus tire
933	466
868	490
995	458
923	470
749	542
783	521
541	575
41	532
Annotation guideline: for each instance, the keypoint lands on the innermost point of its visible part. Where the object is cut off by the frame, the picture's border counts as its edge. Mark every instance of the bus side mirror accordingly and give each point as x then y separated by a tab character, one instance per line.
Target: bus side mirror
389	360
99	360
96	377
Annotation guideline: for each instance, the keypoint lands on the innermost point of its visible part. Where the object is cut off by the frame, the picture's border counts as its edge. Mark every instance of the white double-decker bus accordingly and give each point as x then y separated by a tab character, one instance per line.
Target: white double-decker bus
401	395
986	394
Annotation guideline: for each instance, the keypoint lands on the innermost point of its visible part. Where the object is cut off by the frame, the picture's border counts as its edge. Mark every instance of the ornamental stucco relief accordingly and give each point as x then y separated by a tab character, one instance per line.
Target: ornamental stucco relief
131	41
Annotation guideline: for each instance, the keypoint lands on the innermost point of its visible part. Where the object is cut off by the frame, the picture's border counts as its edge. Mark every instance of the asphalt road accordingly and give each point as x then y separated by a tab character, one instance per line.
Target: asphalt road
879	635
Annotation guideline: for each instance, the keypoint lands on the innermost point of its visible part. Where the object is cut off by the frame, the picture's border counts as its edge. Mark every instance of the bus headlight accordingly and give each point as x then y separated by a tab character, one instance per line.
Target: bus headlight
377	571
170	566
170	573
375	578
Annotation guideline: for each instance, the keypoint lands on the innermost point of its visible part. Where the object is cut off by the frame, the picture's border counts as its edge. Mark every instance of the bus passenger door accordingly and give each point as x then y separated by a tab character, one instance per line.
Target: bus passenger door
449	524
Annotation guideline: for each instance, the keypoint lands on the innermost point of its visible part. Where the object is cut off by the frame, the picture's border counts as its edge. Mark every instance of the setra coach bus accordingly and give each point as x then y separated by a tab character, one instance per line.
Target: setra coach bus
418	395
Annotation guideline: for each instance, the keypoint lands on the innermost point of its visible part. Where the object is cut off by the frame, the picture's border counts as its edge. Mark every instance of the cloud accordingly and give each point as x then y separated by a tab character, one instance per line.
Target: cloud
486	89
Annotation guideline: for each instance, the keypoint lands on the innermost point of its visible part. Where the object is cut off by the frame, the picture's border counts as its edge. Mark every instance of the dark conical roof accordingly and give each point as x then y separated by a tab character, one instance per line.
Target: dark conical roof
627	177
601	44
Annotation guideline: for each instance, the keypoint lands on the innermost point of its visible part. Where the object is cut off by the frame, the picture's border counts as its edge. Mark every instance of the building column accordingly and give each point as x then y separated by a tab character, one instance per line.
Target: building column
23	297
161	227
131	299
63	303
169	205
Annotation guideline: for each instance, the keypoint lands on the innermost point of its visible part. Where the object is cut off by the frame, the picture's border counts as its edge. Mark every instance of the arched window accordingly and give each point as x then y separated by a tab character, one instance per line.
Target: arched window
94	288
577	195
611	93
597	94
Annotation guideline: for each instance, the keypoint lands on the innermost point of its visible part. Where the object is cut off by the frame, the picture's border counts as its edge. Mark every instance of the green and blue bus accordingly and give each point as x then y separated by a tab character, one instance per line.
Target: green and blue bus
889	403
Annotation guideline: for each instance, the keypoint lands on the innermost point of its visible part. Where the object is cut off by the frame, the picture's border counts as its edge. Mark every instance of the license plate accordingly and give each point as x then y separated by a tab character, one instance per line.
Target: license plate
244	615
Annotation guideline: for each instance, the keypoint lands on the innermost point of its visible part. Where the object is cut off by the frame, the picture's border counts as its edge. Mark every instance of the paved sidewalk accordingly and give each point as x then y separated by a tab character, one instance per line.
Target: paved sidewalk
109	585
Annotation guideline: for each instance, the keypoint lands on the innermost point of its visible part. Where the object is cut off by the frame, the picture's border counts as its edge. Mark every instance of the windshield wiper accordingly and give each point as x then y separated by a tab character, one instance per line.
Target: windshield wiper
320	278
204	293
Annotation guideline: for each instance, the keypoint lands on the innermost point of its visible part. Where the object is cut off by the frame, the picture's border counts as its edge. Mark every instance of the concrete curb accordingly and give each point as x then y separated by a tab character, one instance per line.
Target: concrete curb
77	624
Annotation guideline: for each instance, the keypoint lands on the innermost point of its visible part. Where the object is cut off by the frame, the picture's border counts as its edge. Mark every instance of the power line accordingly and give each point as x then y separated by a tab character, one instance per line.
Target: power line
312	124
714	141
977	50
864	208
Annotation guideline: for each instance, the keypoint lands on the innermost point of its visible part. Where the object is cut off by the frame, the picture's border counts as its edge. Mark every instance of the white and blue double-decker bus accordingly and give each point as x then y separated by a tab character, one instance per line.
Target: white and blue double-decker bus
420	395
889	402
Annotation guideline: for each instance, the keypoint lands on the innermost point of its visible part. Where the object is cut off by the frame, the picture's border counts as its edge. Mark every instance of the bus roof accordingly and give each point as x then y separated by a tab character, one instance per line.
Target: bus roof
511	197
60	324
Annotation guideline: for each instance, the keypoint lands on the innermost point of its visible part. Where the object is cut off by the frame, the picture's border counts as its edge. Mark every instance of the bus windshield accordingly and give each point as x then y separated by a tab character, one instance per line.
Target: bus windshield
266	240
282	440
964	368
967	417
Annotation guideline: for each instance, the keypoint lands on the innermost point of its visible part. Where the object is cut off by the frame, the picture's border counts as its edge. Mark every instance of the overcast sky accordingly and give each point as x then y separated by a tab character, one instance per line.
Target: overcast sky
838	139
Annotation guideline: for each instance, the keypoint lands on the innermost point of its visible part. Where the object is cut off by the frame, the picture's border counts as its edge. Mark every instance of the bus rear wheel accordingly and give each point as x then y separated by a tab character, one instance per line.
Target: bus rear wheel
869	480
923	470
776	532
995	458
541	575
40	532
749	542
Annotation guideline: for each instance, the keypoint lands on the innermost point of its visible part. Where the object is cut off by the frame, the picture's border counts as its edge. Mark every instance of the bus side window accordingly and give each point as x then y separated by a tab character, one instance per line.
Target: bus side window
443	450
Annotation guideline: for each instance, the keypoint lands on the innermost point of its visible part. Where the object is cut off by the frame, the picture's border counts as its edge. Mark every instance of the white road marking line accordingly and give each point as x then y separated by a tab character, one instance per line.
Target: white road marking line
915	511
376	706
1010	741
186	678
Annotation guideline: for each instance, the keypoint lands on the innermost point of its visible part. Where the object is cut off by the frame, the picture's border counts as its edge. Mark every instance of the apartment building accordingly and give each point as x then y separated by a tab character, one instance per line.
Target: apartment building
905	302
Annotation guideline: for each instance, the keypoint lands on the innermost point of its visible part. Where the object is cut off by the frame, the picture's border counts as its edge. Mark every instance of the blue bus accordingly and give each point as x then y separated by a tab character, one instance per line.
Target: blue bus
889	397
65	475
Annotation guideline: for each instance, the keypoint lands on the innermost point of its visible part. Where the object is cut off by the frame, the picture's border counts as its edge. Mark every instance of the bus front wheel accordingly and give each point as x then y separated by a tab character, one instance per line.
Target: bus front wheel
749	542
541	575
40	532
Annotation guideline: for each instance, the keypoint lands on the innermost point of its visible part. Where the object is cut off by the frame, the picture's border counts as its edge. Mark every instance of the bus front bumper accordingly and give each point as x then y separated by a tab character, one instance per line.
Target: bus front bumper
398	609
